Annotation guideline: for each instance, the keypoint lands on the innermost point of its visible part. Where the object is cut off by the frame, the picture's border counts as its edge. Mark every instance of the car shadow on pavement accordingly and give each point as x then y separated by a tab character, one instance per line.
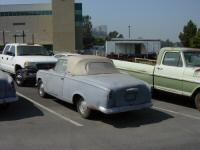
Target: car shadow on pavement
173	98
21	109
125	120
134	118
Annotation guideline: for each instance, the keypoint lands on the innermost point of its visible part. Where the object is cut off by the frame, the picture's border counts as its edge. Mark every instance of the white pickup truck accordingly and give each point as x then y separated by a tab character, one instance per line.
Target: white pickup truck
23	61
177	70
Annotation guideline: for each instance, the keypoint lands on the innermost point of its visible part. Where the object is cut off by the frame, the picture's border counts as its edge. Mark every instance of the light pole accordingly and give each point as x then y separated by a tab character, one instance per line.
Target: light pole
23	36
129	31
33	38
3	37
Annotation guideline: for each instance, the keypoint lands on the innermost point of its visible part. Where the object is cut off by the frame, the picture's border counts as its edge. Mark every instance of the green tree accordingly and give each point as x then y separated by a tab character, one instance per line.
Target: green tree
195	41
167	43
99	41
189	32
113	34
121	36
88	39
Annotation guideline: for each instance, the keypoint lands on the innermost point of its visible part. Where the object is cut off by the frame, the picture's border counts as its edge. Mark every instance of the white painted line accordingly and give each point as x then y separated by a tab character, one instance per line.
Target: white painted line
51	111
177	113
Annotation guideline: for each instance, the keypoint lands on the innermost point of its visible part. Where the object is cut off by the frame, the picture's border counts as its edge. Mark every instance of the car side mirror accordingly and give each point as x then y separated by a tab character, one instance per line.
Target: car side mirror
51	54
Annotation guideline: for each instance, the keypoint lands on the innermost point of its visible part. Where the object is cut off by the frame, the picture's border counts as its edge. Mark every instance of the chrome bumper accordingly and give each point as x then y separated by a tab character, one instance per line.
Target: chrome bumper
8	100
124	109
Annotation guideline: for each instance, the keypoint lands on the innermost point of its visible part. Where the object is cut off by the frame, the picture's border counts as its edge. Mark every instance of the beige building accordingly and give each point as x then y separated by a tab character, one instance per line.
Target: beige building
59	23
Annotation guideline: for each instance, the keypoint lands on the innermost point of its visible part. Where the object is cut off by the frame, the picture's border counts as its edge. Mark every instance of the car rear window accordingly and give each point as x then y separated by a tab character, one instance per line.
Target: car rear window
100	68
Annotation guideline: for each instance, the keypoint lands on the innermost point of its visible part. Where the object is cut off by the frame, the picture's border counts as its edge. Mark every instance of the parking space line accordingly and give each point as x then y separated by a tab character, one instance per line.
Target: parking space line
51	111
177	113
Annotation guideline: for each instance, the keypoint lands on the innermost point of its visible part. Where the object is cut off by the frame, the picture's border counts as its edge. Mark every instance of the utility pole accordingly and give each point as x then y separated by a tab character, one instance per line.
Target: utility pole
23	35
129	31
15	36
4	40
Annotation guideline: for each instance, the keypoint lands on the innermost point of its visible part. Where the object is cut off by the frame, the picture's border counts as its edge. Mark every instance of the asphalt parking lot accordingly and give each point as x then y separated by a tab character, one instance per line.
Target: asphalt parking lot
34	123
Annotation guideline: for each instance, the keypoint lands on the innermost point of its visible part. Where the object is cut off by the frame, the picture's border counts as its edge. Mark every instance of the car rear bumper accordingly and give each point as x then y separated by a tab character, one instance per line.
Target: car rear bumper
8	100
124	109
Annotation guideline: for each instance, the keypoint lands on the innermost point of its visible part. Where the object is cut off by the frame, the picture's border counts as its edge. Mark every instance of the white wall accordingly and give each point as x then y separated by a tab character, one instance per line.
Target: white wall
128	47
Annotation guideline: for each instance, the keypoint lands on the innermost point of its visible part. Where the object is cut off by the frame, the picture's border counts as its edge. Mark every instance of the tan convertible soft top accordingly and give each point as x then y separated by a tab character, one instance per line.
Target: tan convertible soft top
77	65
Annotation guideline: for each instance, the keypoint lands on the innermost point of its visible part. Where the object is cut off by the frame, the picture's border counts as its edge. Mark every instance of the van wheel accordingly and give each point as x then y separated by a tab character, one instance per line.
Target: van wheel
19	78
82	108
41	91
197	101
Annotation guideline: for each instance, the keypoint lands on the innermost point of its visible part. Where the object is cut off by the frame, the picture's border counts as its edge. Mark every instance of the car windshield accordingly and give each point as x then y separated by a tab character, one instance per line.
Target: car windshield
192	58
32	50
100	68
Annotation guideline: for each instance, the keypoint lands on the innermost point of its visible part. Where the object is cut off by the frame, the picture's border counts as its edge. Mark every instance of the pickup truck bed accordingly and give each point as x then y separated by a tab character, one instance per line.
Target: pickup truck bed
140	71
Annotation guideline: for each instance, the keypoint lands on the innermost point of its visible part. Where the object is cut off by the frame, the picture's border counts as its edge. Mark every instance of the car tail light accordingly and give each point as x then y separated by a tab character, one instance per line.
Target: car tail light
111	99
110	95
12	85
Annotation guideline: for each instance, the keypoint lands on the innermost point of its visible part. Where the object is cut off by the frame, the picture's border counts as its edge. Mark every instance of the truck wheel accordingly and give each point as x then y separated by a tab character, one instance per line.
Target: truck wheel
19	78
41	91
82	108
5	106
197	101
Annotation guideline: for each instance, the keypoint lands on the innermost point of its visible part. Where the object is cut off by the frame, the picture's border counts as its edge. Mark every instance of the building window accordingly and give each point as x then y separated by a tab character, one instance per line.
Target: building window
78	6
78	18
26	13
19	24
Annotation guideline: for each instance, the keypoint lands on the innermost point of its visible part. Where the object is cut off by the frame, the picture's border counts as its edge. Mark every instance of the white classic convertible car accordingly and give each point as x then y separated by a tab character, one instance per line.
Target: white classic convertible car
93	83
7	89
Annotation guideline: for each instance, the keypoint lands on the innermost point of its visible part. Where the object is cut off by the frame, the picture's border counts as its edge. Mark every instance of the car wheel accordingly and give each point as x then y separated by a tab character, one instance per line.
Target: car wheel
83	110
19	78
5	106
197	101
41	91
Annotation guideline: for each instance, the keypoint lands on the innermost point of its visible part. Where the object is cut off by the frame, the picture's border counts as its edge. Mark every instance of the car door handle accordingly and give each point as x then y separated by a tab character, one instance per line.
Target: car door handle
1	57
159	68
7	58
62	78
143	71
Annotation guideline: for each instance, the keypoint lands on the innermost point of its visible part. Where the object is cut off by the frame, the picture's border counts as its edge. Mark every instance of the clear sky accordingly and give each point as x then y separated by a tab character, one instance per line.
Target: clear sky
157	19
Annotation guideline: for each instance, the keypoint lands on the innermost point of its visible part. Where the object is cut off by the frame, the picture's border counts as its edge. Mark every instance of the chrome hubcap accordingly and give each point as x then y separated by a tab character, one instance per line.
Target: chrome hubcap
83	107
41	90
18	79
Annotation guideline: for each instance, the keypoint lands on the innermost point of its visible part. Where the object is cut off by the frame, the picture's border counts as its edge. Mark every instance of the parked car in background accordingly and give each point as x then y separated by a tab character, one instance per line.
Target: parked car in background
7	89
93	83
24	60
60	55
177	71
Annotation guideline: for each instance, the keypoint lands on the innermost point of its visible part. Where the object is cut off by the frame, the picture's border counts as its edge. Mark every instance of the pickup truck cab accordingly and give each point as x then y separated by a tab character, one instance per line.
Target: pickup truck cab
24	60
177	70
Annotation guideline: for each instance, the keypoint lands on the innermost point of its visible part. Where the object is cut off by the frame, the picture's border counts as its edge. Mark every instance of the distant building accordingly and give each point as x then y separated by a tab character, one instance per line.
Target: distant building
58	23
132	47
100	31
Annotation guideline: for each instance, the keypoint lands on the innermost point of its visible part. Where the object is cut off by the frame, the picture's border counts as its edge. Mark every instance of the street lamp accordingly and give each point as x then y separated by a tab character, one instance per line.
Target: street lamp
3	36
